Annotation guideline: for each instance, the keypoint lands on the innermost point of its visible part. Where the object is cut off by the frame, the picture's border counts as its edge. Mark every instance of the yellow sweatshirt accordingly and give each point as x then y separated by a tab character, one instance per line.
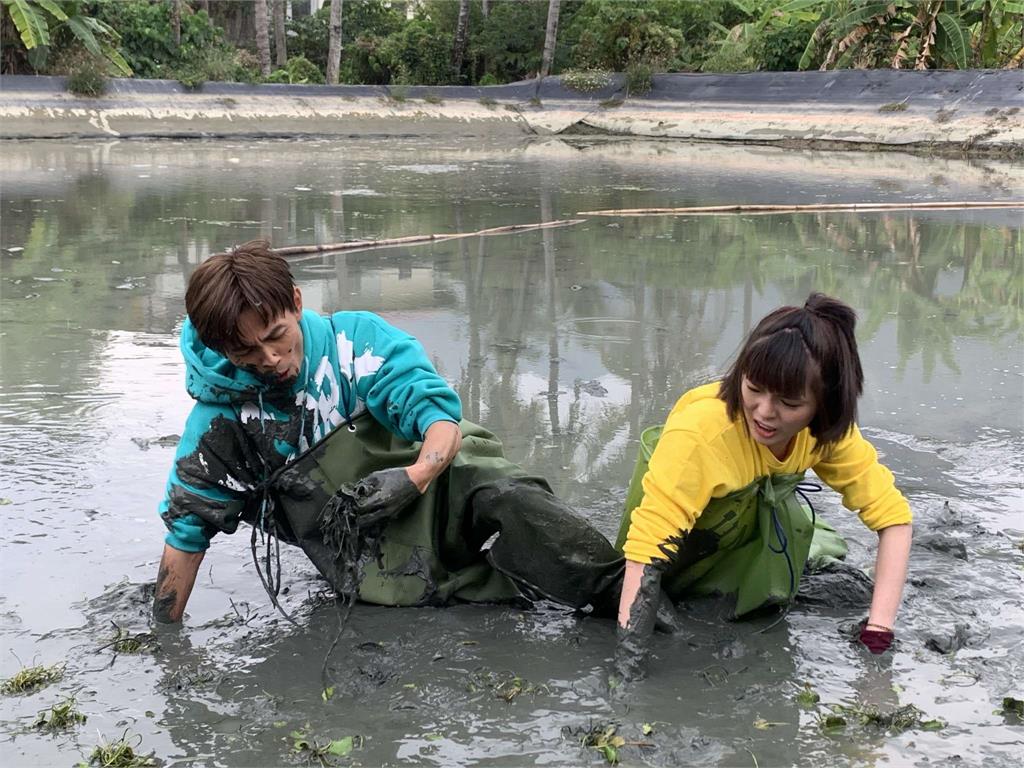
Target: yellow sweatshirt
702	455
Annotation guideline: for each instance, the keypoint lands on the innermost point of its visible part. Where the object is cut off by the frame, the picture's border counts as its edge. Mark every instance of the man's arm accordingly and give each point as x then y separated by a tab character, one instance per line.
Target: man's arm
440	444
174	583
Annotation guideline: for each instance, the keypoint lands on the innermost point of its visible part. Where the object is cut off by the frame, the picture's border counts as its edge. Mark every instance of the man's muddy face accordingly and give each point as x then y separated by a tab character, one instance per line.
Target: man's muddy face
272	351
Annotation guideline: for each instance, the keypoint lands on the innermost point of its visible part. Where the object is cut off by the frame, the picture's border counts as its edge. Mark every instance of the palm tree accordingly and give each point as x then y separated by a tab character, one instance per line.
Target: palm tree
550	37
334	44
263	37
461	36
176	22
280	41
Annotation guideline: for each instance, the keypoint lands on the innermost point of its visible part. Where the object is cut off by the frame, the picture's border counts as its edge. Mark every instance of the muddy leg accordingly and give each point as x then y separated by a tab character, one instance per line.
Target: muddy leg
545	547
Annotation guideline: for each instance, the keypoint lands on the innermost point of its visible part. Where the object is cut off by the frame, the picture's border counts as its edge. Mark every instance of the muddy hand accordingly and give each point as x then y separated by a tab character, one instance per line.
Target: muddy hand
380	496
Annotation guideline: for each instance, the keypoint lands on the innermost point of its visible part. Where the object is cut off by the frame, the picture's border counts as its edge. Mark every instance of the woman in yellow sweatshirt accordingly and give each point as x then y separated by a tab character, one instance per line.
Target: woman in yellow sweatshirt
787	404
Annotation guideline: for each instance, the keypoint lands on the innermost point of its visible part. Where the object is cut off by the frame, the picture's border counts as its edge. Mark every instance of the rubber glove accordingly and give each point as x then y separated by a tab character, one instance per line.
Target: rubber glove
876	640
379	496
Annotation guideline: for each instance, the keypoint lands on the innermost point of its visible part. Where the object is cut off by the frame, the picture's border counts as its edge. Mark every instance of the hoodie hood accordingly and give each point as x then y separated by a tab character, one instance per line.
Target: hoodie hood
211	378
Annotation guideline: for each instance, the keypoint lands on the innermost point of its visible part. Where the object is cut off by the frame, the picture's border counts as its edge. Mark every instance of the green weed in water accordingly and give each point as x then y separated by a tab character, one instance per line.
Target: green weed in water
611	103
606	739
896	106
1012	707
32	679
119	754
433	98
488	102
323	752
898	720
807	697
60	717
504	685
127	643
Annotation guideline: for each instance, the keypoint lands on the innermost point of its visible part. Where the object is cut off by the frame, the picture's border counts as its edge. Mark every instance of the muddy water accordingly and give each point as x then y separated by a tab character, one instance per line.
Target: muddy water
566	343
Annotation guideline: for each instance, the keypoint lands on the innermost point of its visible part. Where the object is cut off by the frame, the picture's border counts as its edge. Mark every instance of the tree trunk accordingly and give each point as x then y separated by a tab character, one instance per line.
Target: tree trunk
176	23
334	45
550	37
263	37
204	5
461	35
486	8
280	39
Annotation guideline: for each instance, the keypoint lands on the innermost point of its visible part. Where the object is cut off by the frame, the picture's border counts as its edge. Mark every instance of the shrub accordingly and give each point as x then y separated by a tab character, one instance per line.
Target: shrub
488	79
639	79
615	35
89	79
586	80
145	30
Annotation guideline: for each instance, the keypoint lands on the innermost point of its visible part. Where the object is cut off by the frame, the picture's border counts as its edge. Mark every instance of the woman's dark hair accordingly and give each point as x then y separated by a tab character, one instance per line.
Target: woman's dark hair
795	349
252	277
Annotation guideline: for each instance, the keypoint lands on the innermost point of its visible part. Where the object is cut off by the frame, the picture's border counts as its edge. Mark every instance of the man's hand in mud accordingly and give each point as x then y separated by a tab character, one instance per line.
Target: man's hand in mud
380	496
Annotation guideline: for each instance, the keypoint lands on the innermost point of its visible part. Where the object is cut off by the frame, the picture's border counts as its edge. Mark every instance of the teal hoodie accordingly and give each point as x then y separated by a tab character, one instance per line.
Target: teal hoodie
241	429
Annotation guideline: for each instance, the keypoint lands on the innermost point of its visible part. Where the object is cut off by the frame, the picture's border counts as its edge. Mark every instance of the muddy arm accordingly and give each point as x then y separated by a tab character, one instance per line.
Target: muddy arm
638	607
440	444
174	583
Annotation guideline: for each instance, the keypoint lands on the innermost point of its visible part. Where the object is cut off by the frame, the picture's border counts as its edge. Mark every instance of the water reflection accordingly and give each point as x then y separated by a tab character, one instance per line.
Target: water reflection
567	342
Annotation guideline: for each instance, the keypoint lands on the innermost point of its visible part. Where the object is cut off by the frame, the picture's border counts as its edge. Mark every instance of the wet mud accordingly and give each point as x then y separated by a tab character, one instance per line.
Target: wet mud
645	309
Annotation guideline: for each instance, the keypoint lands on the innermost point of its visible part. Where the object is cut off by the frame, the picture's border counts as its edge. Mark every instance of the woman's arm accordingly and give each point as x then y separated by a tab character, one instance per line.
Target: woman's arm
890	574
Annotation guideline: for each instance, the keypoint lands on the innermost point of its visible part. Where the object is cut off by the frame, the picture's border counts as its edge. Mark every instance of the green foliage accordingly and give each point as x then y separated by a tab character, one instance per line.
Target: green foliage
509	43
298	71
613	35
88	79
586	80
145	30
364	24
322	752
418	54
43	24
639	79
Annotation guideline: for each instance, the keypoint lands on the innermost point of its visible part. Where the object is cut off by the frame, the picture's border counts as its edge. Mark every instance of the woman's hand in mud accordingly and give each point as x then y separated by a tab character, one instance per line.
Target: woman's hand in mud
876	639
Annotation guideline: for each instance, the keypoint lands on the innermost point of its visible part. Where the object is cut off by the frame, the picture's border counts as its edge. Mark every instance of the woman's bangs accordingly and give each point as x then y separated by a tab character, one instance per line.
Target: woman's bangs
780	363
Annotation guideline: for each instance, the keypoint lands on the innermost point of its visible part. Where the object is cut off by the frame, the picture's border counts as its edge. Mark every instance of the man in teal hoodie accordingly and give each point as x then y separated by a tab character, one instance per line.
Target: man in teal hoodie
336	434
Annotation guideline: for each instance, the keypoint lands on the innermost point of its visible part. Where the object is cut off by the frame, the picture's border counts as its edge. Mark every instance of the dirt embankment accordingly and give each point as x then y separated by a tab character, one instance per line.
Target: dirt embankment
972	112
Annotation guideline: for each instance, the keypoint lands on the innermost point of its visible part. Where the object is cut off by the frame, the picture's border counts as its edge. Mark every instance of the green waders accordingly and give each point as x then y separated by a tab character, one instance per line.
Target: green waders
753	543
431	552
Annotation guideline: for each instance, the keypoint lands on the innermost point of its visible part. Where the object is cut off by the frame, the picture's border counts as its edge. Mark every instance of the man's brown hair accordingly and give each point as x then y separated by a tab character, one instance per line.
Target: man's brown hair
252	277
795	349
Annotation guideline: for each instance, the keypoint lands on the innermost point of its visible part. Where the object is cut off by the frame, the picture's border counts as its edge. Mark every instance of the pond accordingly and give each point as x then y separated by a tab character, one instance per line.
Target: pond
566	342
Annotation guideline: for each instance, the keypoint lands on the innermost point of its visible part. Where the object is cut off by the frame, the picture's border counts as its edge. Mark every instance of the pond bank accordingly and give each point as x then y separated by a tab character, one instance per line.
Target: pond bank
971	112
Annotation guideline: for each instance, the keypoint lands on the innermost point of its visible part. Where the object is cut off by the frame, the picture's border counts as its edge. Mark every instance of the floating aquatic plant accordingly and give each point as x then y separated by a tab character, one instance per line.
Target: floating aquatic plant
127	643
322	752
119	754
606	739
1012	706
504	685
807	697
32	679
898	720
60	716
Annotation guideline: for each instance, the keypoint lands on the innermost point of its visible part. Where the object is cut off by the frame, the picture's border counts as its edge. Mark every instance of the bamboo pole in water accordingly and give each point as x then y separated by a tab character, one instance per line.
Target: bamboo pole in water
816	208
351	245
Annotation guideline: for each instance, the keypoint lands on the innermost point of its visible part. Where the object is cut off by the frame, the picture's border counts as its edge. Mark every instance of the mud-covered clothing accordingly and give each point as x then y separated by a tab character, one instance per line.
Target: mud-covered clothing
242	429
702	454
433	551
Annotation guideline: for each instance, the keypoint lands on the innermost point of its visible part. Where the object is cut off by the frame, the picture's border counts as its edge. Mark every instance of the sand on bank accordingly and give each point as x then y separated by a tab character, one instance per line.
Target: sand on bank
978	112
